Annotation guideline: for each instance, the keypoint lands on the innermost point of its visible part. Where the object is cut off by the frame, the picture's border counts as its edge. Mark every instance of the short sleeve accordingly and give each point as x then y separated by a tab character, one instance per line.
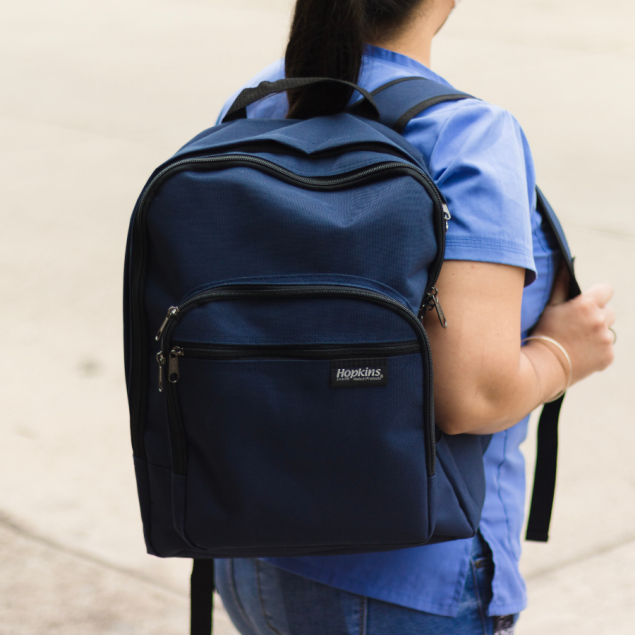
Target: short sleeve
482	164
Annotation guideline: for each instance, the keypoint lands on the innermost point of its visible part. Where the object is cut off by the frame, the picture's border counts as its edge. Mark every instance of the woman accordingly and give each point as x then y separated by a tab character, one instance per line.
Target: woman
499	281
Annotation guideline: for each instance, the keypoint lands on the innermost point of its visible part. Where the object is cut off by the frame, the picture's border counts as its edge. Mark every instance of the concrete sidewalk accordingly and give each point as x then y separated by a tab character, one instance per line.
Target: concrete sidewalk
94	96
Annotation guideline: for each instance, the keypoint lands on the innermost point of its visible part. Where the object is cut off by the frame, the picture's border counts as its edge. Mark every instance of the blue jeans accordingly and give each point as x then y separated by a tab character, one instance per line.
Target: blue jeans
262	599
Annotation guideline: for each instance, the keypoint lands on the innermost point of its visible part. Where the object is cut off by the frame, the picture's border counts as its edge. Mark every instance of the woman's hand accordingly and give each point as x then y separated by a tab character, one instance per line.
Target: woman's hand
581	325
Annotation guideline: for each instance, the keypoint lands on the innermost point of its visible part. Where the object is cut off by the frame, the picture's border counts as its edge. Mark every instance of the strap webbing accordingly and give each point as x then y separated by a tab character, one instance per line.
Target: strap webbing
202	597
403	99
238	110
544	473
400	101
547	449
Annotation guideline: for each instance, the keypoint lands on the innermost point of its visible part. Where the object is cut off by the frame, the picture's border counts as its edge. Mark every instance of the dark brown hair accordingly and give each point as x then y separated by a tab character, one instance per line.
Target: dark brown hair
327	40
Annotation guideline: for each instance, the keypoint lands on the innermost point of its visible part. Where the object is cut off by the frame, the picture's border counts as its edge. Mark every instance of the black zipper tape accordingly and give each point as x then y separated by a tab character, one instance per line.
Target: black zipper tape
323	351
138	372
299	291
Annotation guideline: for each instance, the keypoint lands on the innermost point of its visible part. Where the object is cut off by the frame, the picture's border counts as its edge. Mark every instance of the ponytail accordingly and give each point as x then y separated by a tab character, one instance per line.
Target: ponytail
327	40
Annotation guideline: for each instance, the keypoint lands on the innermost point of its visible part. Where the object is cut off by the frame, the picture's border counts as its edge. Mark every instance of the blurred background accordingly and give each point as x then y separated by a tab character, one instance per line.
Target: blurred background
94	95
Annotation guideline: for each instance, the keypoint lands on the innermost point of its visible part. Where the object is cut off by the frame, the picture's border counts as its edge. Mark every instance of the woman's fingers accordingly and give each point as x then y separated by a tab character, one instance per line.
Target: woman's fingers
601	293
560	290
609	316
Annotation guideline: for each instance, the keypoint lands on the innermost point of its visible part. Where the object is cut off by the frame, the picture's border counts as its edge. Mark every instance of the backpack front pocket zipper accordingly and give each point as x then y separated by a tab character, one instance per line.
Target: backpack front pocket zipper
172	353
332	352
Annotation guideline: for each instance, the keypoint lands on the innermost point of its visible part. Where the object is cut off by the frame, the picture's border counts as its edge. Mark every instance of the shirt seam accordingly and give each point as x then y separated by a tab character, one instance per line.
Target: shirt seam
420	71
482	242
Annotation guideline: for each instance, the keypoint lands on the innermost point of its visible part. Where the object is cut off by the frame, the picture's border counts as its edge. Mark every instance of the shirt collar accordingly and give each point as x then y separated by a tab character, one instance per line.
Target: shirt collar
372	53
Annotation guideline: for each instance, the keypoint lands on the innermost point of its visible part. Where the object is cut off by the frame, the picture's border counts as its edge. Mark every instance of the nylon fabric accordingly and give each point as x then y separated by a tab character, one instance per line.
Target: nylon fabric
230	443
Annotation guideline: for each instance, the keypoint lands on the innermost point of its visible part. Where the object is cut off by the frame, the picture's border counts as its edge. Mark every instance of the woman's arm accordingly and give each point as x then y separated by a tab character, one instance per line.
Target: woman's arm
484	381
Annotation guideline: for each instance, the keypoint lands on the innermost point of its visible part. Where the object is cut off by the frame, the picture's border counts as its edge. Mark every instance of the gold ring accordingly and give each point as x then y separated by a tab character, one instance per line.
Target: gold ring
614	334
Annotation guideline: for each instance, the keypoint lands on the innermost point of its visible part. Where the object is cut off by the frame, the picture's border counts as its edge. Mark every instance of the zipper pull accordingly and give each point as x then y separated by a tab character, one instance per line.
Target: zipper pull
161	362
446	215
432	302
173	367
172	311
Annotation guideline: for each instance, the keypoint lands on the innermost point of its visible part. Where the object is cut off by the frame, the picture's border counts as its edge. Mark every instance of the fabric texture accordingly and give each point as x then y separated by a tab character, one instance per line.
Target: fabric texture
480	159
263	599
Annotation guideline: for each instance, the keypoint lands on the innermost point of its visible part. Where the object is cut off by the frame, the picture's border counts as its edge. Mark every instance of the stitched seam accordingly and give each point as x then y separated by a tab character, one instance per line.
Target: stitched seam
262	604
418	71
363	614
485	242
478	596
500	496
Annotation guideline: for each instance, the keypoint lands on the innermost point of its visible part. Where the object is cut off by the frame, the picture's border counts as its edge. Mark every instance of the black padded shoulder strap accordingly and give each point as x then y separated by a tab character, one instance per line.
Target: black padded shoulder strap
403	99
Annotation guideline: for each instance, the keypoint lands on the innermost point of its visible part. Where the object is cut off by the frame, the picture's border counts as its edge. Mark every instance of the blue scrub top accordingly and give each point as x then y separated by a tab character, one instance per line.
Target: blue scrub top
480	159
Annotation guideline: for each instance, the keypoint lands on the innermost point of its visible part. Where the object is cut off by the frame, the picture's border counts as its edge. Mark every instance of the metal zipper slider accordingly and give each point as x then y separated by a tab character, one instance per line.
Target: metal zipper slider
173	367
172	311
432	302
446	215
161	362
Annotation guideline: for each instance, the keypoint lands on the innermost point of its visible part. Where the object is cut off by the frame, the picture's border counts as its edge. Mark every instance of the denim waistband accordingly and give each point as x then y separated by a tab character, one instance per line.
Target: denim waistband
480	548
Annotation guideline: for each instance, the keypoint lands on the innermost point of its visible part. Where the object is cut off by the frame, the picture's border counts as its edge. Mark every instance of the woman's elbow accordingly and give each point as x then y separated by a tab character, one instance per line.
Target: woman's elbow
467	416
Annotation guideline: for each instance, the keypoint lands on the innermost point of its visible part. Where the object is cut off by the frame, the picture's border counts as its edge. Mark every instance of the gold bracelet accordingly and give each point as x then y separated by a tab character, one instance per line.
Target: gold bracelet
564	352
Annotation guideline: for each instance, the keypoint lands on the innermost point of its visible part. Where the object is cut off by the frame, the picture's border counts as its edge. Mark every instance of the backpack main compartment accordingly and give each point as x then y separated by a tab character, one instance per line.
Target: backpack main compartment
279	376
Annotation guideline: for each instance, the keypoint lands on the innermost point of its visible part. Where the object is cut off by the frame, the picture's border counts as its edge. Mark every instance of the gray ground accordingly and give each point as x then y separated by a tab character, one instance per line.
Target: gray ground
94	96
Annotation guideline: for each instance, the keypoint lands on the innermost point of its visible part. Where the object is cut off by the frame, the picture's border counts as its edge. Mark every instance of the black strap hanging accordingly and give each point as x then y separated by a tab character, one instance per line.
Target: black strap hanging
547	449
202	597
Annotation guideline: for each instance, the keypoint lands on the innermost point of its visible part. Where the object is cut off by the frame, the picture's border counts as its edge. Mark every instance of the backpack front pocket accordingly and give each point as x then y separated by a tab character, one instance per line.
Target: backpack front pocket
295	447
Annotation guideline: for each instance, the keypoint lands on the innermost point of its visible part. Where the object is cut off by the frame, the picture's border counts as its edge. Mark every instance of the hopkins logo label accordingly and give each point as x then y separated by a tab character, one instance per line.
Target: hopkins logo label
359	372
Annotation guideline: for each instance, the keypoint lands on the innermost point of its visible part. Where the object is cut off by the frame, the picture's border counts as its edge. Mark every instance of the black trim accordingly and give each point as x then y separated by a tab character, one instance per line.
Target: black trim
397	81
238	110
286	291
403	121
294	351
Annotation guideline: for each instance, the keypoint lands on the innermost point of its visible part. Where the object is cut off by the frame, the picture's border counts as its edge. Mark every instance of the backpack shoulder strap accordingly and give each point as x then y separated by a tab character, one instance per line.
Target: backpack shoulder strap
547	449
398	102
403	99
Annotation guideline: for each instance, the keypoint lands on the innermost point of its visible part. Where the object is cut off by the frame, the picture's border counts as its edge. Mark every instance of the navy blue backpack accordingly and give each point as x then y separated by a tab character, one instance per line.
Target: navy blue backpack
279	376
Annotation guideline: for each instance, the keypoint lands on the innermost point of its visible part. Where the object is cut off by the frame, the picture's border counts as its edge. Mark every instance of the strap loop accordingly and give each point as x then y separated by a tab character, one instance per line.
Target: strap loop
250	96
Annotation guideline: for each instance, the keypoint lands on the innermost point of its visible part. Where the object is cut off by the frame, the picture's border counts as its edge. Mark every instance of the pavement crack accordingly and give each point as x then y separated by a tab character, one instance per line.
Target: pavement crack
581	558
8	523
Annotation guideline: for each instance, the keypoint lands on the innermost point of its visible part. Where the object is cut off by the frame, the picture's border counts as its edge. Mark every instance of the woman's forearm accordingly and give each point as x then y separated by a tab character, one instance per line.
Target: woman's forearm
484	382
541	375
